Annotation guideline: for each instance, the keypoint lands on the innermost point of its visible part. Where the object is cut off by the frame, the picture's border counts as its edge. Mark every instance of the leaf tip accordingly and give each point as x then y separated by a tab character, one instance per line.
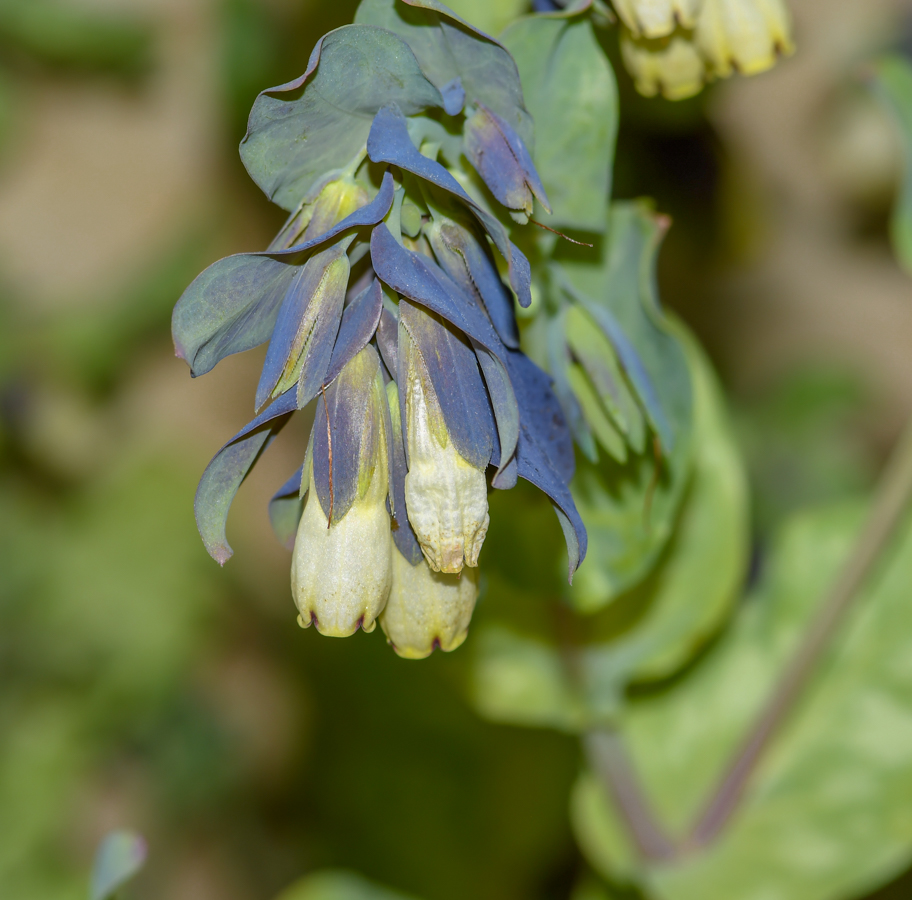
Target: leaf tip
221	553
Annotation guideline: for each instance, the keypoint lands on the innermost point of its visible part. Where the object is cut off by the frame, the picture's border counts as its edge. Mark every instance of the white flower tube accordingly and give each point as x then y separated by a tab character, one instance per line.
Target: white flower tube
446	496
341	571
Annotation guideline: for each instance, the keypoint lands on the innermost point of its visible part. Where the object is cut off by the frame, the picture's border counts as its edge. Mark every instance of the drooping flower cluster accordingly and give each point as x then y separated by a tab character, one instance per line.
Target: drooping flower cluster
674	47
381	300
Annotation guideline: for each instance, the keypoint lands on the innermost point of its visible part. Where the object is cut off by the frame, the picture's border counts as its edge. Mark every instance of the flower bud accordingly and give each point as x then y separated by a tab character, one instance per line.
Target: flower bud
427	609
446	496
499	155
342	569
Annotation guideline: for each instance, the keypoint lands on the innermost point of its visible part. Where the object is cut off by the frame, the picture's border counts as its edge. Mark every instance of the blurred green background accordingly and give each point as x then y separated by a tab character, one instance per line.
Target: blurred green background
140	684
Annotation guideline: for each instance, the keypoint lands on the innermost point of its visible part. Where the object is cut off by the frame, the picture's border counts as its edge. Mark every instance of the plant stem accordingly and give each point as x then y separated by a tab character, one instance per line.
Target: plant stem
893	496
608	758
606	754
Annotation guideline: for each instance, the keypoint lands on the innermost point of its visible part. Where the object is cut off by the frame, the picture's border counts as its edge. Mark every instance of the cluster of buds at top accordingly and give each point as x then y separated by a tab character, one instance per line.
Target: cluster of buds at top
383	305
674	47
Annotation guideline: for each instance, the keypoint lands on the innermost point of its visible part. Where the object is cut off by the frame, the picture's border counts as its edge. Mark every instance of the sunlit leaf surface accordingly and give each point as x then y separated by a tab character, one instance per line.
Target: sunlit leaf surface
826	814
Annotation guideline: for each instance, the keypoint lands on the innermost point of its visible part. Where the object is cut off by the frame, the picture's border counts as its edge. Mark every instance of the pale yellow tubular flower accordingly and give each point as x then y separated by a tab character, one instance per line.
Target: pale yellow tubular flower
341	574
670	66
446	496
657	18
745	36
427	609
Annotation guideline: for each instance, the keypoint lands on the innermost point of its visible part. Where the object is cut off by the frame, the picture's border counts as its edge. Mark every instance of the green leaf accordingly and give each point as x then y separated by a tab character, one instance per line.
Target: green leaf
491	16
338	885
702	571
448	48
597	413
893	84
825	815
524	676
571	93
629	510
120	856
592	348
319	123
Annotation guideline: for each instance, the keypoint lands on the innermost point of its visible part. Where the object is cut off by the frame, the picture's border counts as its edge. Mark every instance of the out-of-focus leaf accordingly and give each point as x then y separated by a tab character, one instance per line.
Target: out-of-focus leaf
296	134
338	885
490	16
592	349
251	44
803	445
120	856
571	93
616	281
629	510
524	676
447	49
691	592
894	84
825	815
7	109
63	34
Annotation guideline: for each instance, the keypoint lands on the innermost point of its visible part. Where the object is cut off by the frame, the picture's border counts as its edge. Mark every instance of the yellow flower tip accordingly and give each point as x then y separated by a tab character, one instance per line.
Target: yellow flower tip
427	610
341	631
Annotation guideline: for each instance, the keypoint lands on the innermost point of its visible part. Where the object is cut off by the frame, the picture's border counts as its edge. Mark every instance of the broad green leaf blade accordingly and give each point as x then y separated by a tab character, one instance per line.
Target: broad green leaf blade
317	124
338	885
630	510
571	93
894	85
826	815
525	677
120	856
230	307
448	48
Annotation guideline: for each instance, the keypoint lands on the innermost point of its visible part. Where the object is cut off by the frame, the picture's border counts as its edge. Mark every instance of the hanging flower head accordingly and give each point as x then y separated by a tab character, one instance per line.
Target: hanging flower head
381	301
674	47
